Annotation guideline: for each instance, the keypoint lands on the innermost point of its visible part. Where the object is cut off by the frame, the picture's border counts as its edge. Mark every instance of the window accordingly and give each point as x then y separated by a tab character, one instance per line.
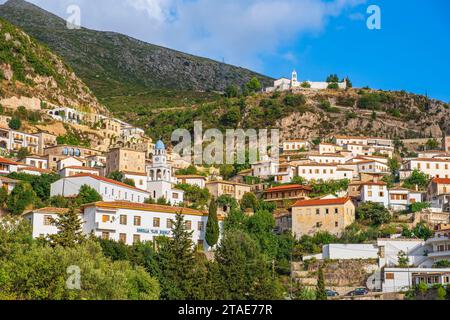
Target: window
200	244
123	237
105	235
336	210
136	238
336	224
123	220
156	222
200	226
137	221
48	220
318	225
175	195
317	211
105	218
169	223
327	211
188	224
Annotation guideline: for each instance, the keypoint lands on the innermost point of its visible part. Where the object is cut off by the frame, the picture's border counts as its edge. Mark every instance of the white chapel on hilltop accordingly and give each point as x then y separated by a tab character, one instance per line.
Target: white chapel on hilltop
285	84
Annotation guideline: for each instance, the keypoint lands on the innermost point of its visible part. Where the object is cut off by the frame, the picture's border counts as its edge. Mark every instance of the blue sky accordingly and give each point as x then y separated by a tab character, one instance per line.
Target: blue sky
316	37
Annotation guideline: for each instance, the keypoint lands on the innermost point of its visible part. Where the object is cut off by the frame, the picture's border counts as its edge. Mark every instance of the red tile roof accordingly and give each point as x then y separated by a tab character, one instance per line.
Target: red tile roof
321	202
35	169
289	187
8	161
441	180
121	184
81	168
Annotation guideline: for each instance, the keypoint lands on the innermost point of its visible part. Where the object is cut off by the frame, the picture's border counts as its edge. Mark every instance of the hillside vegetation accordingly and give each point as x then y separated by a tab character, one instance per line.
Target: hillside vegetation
29	69
115	65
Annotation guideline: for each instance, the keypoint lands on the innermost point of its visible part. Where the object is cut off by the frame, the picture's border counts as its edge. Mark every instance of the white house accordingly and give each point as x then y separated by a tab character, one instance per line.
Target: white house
401	198
325	172
69	162
295	145
328	148
160	182
76	170
328	158
42	221
131	222
376	192
36	161
194	180
33	170
434	168
345	140
372	166
8	166
265	168
140	179
404	279
125	221
109	189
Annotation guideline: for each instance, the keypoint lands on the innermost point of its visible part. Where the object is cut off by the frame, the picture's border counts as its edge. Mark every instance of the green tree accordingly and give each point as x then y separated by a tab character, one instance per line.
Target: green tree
195	196
419	206
305	85
417	178
253	85
129	182
23	153
260	227
442	264
117	176
243	270
249	201
70	232
441	293
212	226
375	213
40	184
333	78
320	288
175	262
432	144
87	195
403	259
21	198
15	124
3	196
232	91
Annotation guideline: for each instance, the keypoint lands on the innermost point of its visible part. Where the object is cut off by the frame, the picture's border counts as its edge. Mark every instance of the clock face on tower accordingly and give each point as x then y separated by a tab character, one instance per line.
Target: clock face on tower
157	159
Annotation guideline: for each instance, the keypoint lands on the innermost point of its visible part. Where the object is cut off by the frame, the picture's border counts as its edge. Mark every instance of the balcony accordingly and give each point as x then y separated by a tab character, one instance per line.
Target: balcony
110	226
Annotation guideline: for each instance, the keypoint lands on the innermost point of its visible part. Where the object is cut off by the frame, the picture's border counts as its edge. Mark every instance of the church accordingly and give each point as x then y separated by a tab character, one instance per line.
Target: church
285	84
161	182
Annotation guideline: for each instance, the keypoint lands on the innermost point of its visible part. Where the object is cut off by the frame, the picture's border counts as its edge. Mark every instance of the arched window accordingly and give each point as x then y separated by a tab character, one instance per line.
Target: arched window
66	151
78	152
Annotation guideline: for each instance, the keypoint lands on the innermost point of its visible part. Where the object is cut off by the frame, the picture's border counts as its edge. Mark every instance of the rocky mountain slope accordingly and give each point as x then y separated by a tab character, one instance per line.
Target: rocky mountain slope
115	64
32	76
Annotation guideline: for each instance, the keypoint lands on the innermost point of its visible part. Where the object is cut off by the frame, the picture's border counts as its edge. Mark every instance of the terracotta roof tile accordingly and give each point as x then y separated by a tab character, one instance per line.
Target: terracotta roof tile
321	202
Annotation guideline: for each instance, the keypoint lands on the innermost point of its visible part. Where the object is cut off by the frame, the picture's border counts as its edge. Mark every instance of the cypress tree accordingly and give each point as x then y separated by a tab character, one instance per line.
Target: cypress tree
320	289
212	226
69	227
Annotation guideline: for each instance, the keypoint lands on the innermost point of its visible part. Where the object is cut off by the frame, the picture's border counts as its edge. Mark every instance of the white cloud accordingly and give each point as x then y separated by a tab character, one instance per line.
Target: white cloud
240	31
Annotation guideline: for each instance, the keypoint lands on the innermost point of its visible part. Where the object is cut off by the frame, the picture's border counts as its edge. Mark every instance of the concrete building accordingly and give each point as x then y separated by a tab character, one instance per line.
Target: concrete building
46	140
70	171
333	158
36	161
438	194
140	179
285	84
13	141
59	152
376	192
401	198
295	145
8	166
265	168
123	159
328	148
285	196
194	180
229	188
434	168
324	172
404	279
331	215
110	190
125	222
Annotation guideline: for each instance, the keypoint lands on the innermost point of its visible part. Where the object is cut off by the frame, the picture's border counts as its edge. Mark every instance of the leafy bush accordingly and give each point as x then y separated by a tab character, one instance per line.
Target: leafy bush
374	213
15	124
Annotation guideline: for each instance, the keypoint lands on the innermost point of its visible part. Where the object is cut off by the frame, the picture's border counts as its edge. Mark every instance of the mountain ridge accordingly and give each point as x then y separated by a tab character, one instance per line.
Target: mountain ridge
105	59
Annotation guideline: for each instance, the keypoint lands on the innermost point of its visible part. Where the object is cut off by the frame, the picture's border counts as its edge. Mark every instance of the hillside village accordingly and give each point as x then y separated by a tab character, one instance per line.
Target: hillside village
346	215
